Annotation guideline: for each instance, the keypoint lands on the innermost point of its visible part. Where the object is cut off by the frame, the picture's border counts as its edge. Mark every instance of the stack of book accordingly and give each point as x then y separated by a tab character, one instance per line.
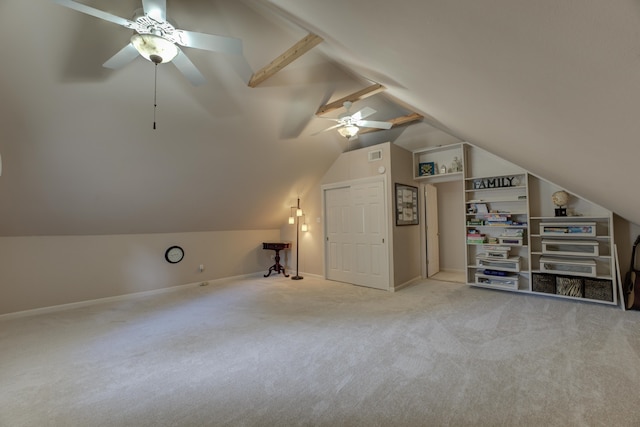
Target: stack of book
511	236
474	236
498	219
495	251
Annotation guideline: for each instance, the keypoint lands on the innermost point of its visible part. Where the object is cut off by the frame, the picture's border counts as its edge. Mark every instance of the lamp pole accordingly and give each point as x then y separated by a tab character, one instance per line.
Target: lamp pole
297	276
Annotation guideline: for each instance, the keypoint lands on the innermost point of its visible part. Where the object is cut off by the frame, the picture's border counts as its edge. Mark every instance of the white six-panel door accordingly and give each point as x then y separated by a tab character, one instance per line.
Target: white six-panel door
356	235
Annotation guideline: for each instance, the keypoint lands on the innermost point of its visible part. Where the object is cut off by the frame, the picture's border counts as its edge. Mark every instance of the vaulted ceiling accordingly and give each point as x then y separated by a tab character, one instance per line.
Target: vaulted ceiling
552	86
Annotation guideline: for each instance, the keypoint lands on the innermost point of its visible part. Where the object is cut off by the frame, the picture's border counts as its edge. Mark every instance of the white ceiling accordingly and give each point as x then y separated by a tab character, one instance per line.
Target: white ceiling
550	85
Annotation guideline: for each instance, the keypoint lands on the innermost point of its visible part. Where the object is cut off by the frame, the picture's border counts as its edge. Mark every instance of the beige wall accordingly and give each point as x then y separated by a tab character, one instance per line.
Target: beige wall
451	219
625	235
406	239
350	166
38	272
311	245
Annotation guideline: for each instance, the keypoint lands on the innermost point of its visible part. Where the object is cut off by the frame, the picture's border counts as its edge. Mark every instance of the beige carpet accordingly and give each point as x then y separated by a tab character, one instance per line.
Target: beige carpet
277	352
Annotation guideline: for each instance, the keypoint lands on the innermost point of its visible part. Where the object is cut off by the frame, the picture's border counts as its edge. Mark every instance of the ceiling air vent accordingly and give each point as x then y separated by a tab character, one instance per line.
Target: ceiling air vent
375	155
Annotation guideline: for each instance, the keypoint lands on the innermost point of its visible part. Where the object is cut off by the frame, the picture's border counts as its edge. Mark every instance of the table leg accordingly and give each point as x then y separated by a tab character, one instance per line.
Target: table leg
276	267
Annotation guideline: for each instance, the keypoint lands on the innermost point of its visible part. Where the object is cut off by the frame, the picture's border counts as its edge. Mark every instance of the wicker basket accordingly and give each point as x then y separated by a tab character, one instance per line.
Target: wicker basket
569	286
598	289
545	283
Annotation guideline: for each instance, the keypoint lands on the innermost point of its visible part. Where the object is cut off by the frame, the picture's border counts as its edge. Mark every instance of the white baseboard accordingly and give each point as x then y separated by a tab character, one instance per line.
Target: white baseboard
405	284
315	276
62	307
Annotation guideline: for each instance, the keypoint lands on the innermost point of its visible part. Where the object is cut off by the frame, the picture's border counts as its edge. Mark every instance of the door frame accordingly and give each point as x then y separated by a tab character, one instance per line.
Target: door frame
388	222
424	268
428	192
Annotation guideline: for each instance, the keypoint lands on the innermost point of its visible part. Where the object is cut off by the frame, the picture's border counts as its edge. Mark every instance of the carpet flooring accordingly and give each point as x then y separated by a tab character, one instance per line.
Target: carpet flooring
277	352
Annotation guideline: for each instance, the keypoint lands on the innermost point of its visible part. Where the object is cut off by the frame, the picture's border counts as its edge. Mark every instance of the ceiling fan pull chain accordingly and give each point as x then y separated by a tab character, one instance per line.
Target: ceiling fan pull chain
155	91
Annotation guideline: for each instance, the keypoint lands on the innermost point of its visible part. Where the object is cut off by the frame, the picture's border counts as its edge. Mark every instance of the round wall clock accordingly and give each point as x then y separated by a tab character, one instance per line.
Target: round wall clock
174	254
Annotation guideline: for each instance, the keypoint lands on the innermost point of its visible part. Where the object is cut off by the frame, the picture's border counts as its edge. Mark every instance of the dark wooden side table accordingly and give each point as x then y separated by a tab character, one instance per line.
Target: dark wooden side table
276	246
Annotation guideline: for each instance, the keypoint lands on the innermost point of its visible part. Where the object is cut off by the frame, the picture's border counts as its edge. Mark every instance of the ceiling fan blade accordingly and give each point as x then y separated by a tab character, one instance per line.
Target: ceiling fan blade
186	67
156	9
122	58
95	12
365	112
210	42
374	124
327	129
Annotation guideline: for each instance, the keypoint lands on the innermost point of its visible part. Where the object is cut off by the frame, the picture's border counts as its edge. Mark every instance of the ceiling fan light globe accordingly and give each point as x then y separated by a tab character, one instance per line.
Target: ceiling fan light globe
154	48
349	131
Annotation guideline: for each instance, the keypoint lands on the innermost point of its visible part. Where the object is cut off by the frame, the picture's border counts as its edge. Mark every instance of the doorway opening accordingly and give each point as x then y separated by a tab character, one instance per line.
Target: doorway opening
444	232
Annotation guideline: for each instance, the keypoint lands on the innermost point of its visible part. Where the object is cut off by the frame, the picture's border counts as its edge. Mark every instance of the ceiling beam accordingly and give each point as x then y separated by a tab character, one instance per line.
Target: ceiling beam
409	118
356	96
293	53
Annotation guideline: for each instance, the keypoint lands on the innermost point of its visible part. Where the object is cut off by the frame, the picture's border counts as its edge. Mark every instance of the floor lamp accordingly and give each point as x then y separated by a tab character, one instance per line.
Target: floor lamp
299	214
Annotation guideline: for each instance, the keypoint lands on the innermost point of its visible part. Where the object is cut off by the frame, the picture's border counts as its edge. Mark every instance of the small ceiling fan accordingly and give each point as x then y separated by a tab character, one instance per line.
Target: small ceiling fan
349	124
156	39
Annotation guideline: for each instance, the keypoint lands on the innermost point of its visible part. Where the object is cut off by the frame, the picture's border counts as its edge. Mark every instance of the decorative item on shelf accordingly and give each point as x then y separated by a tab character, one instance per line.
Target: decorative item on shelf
406	205
560	199
481	208
427	168
495	182
456	166
443	168
299	213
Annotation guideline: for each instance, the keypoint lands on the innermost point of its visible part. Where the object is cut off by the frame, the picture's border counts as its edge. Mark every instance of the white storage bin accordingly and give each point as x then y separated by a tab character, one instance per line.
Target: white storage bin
508	264
570	247
492	251
576	267
568	229
506	282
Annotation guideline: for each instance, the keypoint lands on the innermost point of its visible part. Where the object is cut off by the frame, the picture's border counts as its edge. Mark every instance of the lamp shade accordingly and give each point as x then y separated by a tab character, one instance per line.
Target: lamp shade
154	48
349	131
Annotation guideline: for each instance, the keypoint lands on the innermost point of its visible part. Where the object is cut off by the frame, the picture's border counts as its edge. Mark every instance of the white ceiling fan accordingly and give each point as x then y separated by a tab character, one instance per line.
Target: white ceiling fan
349	124
157	40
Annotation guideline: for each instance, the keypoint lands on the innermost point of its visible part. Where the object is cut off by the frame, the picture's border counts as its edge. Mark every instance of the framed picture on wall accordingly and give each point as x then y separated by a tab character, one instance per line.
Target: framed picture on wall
406	205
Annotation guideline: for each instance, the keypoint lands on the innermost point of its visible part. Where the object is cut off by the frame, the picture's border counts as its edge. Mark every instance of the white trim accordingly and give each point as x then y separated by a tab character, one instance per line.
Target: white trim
406	284
69	306
351	182
315	276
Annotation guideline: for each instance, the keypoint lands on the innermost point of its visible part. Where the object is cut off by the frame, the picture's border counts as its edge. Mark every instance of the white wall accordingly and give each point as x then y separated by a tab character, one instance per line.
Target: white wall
38	272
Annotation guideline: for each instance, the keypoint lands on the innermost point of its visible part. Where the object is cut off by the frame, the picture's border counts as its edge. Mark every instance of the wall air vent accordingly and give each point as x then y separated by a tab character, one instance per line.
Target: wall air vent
375	155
